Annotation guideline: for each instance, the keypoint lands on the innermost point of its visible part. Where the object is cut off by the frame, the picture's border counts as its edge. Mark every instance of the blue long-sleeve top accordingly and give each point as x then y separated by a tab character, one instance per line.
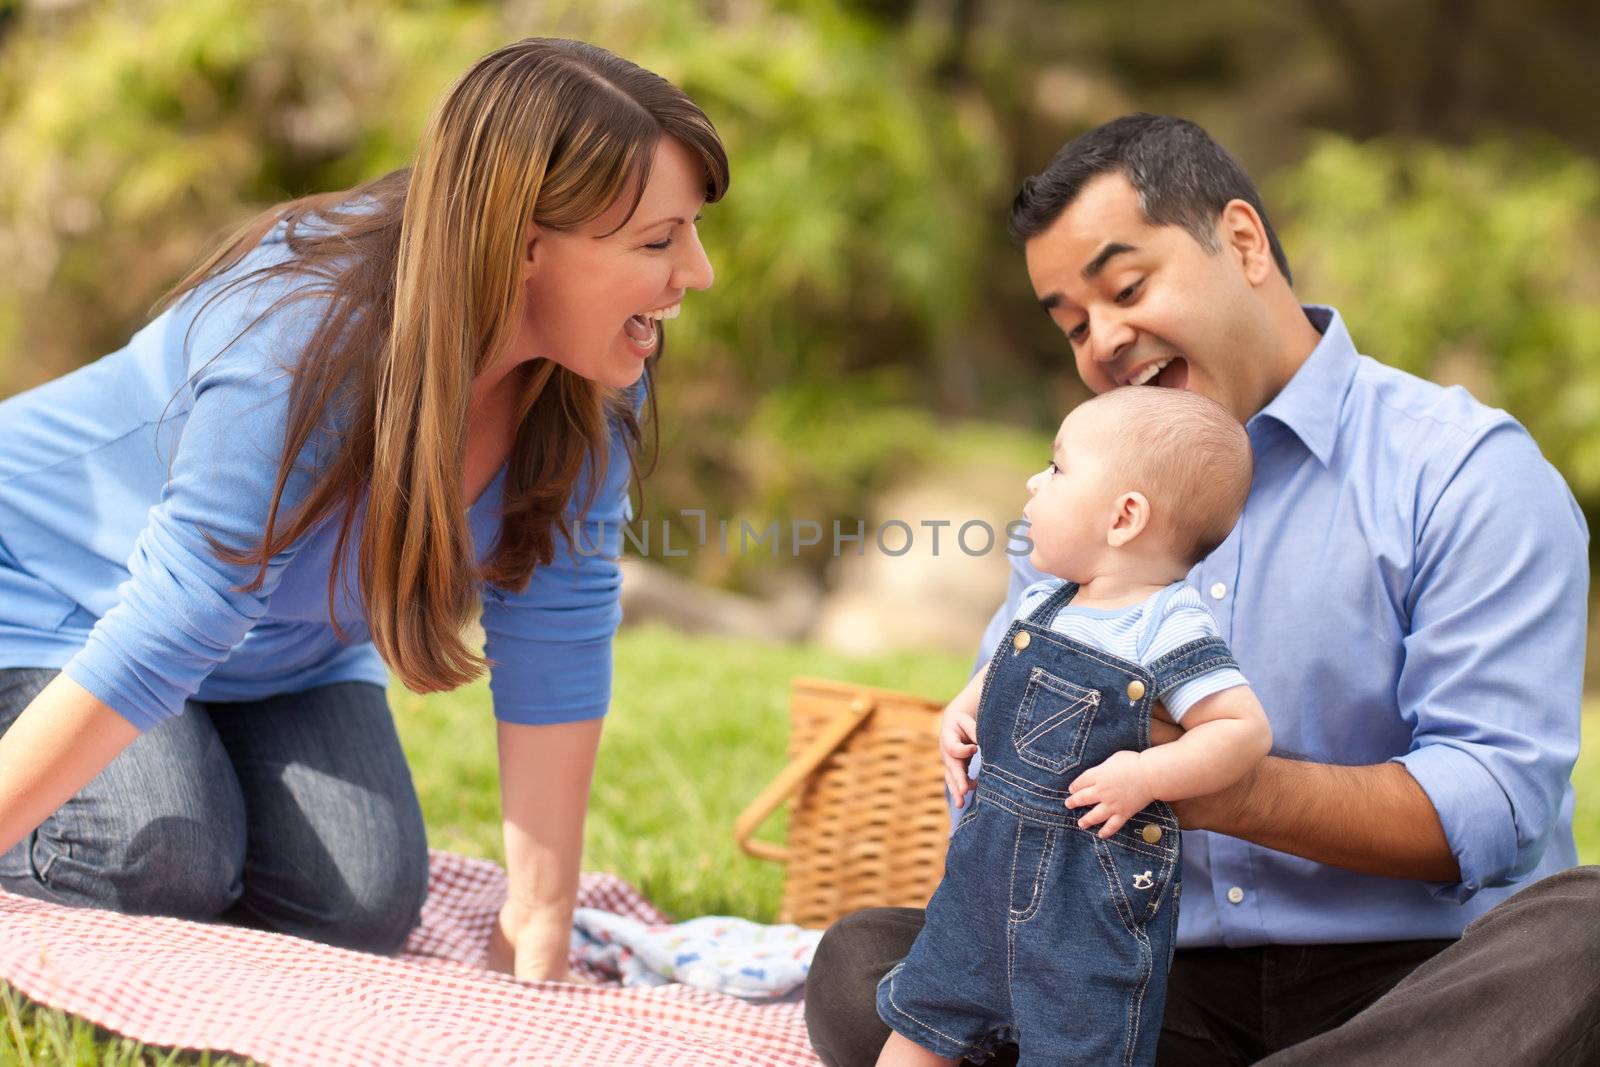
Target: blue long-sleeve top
1409	584
109	475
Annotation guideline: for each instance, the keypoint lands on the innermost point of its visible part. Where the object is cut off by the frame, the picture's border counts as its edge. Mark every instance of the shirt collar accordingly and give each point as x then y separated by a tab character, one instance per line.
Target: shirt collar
1311	403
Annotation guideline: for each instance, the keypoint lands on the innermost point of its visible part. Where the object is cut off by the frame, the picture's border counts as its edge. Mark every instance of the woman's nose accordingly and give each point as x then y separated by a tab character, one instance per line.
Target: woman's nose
694	270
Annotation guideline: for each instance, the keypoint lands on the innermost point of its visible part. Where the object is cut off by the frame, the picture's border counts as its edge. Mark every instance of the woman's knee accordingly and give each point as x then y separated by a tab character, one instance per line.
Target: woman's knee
368	899
160	831
180	863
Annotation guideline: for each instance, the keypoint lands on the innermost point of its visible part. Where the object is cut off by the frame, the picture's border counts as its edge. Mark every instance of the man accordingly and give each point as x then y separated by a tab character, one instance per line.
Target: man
1406	591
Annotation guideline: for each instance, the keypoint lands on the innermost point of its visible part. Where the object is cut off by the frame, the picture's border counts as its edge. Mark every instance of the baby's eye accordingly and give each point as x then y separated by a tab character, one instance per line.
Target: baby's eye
1053	468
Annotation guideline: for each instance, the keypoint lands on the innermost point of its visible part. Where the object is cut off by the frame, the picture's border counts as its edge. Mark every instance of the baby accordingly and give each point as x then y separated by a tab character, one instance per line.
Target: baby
1053	926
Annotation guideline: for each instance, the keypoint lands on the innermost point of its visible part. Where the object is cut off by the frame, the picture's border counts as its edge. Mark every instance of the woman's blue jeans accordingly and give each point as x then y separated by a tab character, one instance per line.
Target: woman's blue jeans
295	813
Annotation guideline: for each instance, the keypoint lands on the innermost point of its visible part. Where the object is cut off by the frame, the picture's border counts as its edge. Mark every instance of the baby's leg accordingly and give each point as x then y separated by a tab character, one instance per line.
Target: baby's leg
901	1051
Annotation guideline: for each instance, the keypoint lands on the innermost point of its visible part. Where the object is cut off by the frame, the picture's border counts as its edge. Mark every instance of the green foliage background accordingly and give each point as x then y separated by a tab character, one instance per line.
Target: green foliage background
1432	173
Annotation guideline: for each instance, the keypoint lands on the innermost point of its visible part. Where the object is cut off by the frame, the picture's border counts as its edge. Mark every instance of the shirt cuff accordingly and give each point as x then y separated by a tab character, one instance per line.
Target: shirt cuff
1475	813
82	670
545	682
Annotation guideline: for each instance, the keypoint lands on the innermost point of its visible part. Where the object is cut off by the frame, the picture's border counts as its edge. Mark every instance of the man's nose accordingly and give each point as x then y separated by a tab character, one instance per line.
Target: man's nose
1110	339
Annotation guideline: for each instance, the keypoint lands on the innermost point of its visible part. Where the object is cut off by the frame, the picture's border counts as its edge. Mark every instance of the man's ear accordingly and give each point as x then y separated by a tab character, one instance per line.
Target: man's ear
1130	516
1244	236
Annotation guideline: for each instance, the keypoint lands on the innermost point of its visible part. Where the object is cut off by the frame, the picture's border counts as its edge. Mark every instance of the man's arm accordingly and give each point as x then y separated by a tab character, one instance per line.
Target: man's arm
1495	626
1374	819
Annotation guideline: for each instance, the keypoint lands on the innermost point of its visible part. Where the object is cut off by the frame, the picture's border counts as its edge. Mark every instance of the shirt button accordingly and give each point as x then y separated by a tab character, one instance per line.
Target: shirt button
1218	590
1135	690
1151	833
1235	895
1020	641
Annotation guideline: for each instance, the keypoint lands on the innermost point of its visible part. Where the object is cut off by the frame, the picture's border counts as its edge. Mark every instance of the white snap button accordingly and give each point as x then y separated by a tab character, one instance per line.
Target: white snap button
1218	590
1235	895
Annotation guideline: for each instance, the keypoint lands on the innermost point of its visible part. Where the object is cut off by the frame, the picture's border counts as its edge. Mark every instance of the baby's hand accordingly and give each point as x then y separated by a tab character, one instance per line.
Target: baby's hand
1118	790
958	742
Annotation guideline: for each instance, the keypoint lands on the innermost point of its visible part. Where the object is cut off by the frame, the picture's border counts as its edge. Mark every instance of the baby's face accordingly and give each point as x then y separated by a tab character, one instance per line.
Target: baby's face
1073	499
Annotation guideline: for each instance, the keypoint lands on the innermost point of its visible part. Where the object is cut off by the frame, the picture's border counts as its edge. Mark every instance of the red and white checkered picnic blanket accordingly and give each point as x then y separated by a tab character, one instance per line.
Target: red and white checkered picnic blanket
286	1001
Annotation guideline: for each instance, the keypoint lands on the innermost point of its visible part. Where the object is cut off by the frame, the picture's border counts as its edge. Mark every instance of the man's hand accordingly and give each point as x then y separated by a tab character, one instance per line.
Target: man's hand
958	742
1117	789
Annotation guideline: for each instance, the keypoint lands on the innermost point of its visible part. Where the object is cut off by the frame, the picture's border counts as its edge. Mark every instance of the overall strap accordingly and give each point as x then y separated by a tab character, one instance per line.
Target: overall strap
1045	613
1190	661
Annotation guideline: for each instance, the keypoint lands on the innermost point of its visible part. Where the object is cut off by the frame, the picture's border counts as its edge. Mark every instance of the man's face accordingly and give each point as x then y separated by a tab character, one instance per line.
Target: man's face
1143	304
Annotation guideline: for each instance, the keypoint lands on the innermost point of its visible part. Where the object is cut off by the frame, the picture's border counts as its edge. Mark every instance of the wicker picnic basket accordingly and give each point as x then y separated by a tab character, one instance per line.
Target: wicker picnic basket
868	824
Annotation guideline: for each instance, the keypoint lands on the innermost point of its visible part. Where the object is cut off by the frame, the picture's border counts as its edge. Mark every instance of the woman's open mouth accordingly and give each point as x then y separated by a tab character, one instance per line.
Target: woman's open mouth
644	330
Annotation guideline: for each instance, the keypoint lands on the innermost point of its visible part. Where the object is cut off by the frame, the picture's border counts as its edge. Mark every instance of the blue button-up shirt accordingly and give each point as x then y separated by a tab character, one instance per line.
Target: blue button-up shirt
1408	583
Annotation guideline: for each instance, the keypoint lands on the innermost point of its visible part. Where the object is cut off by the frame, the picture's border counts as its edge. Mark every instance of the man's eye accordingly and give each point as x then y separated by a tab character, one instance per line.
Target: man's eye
1127	293
1078	332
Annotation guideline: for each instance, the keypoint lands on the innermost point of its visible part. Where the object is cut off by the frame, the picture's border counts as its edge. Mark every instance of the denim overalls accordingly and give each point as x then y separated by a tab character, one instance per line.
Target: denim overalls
1042	934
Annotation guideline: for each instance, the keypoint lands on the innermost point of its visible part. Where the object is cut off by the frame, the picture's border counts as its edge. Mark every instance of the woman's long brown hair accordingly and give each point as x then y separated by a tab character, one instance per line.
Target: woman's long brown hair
418	282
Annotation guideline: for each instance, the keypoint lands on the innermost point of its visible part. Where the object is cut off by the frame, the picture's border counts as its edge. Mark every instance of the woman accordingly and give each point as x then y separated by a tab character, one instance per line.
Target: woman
430	382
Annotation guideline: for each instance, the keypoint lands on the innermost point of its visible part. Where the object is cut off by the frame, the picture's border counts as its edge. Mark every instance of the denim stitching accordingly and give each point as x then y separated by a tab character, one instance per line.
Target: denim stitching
1125	837
1085	721
1204	667
1201	644
1037	898
919	1022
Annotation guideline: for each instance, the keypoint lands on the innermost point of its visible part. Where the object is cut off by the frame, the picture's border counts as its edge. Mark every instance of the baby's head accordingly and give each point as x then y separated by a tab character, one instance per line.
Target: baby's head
1140	477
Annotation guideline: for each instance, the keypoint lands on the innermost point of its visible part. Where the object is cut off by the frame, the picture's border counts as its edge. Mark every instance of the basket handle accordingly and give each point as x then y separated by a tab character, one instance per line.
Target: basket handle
792	776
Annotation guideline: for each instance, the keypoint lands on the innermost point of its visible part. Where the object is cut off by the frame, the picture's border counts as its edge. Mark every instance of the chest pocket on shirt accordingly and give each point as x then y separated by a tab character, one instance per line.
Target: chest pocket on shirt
1053	722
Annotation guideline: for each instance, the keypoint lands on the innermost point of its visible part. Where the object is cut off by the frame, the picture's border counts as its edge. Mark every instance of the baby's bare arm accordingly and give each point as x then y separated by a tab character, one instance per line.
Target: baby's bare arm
958	736
1224	736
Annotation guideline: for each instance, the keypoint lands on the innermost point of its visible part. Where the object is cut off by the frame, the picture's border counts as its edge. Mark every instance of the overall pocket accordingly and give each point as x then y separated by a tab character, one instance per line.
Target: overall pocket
1053	721
1138	874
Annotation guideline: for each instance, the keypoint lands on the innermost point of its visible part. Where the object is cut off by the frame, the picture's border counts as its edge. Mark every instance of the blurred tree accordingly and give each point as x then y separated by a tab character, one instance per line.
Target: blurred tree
132	133
867	294
1468	266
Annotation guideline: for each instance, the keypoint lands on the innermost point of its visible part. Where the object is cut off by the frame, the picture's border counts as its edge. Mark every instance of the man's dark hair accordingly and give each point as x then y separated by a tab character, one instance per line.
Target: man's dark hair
1182	176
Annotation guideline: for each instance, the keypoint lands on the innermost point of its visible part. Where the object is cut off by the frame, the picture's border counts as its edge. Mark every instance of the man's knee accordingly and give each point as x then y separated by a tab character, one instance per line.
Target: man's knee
1560	913
841	987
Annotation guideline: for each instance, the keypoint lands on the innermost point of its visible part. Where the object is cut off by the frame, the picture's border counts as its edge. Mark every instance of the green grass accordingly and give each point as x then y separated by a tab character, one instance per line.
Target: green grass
698	726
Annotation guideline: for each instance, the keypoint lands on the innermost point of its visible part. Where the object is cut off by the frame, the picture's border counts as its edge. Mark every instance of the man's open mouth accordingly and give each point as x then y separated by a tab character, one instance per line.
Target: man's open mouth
1171	373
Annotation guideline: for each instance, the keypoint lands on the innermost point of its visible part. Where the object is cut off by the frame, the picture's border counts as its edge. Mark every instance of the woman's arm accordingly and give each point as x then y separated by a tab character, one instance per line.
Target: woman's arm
56	746
545	773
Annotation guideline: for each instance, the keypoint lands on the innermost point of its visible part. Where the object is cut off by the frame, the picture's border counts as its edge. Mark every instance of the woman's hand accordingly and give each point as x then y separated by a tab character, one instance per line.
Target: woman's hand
533	950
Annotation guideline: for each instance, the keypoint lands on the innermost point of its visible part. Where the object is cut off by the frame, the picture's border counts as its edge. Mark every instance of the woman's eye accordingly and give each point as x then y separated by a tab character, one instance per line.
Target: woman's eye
660	246
1078	332
1127	293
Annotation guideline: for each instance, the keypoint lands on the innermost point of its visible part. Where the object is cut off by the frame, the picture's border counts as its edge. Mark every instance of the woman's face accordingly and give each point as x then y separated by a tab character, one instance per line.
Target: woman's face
594	298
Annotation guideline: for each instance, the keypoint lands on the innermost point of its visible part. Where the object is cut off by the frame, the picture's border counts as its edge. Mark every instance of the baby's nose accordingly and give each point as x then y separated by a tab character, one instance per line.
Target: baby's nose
1034	483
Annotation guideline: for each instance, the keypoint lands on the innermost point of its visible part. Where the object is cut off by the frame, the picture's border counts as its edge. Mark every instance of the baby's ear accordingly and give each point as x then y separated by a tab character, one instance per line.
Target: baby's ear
1129	518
